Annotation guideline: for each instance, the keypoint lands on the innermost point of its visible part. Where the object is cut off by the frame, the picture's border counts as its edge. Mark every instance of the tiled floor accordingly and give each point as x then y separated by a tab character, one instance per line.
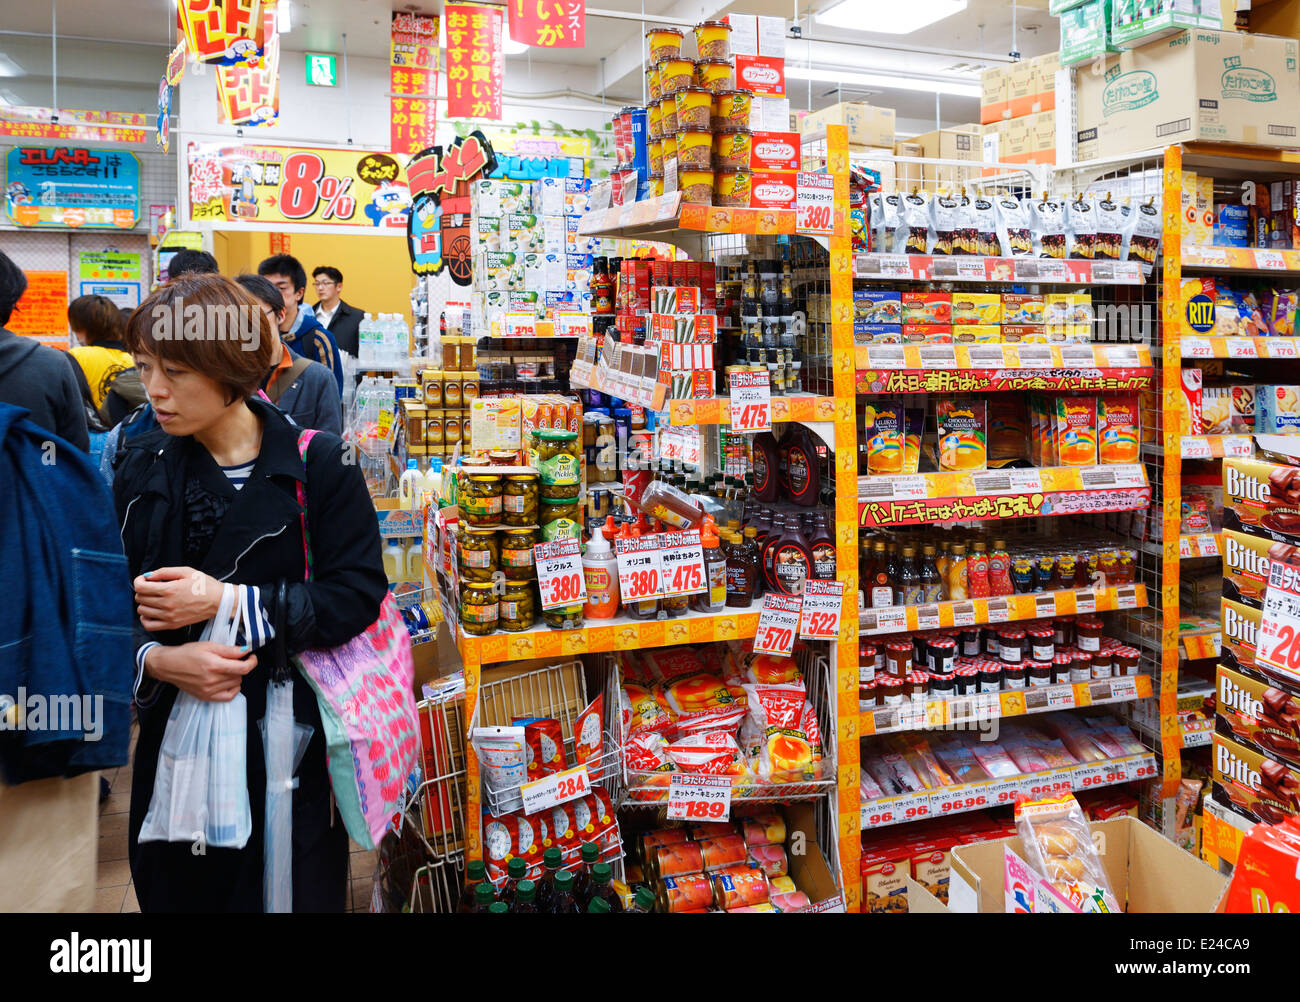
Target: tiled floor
113	889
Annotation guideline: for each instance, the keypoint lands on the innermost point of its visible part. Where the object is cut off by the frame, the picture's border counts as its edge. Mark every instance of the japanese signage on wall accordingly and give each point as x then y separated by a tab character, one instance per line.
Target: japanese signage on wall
42	311
112	274
475	62
220	31
439	232
68	186
248	92
30	122
412	70
261	183
549	24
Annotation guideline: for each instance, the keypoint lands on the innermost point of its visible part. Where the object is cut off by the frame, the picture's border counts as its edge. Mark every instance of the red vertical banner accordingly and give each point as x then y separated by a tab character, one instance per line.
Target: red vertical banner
248	93
219	31
549	24
475	62
413	71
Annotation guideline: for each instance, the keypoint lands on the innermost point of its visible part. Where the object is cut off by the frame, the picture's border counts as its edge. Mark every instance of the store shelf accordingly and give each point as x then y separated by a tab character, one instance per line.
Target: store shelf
1197	734
992	793
641	390
923	498
962	268
974	368
965	710
622	633
982	611
717	410
1193	345
1241	259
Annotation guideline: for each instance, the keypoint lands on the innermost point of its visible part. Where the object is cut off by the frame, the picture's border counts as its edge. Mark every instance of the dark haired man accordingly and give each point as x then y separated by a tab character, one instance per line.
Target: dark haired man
339	318
299	329
191	262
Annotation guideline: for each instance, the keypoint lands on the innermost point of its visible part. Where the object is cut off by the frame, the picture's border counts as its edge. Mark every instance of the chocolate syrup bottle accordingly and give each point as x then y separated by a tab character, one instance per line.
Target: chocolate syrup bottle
792	559
802	474
822	544
769	545
766	460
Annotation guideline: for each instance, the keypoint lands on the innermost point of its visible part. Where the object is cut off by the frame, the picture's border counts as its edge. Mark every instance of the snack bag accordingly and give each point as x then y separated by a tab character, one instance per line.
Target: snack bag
714	753
1082	221
587	740
1049	217
984	225
1016	231
782	733
914	426
643	709
1008	428
1058	845
886	217
1264	881
1279	311
945	224
1111	221
1142	237
963	434
914	236
1119	429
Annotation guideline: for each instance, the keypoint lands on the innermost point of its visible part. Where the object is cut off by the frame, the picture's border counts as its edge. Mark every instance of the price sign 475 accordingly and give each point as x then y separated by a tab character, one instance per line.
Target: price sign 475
751	401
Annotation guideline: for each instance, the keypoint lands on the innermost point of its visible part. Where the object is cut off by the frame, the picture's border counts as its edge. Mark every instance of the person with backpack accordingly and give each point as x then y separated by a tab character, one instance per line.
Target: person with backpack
300	331
228	491
105	372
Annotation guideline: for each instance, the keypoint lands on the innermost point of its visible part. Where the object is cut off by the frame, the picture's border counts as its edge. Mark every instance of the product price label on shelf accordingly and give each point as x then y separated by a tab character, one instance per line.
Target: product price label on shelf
1141	769
639	570
1035	356
1196	347
1060	697
885	811
927	617
1090	775
1241	347
887	719
559	573
1237	446
1195	447
699	798
520	325
1185	548
886	356
999	611
1078	356
1044	606
938	356
1281	347
823	605
894	266
1124	688
814	205
1271	260
1025	481
961	709
912	487
1279	626
1003	791
963	614
1207	545
557	788
778	621
891	619
1122	357
1126	597
955	800
1085	600
681	563
682	443
1129	475
987	356
751	401
1048	784
972	268
912	714
572	325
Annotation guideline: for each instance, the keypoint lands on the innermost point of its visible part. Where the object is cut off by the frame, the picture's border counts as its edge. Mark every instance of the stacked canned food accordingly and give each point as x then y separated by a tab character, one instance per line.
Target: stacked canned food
939	664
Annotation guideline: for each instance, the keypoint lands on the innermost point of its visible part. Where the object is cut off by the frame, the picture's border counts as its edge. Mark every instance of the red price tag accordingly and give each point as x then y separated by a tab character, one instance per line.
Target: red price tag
814	205
699	798
823	602
559	574
1281	347
681	563
520	325
777	623
1279	626
751	401
639	571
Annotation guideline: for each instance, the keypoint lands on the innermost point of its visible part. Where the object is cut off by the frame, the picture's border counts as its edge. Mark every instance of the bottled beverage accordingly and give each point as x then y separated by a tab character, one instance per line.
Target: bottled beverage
822	544
602	288
932	589
563	902
484	896
958	581
582	885
516	871
643	903
791	559
909	577
498	908
1000	569
525	902
977	572
742	570
603	888
714	599
475	874
895	567
598	906
942	559
881	594
552	860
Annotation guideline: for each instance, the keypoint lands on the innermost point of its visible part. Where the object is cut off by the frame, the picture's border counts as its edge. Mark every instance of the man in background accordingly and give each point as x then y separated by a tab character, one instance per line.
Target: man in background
191	262
341	320
299	329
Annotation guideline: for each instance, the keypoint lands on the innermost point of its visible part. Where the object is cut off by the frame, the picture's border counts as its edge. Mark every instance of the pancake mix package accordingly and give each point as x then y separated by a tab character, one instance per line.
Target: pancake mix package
963	434
1119	428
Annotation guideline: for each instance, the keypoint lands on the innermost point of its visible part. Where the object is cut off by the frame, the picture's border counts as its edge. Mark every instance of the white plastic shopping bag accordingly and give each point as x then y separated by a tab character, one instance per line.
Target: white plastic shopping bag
200	791
284	742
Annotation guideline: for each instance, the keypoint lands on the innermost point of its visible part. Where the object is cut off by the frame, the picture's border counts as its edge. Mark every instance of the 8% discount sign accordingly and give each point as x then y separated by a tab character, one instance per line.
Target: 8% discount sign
559	574
751	401
1279	627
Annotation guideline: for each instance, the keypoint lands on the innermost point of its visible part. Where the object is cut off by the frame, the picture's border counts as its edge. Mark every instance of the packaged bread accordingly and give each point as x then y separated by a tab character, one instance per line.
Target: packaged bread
1058	845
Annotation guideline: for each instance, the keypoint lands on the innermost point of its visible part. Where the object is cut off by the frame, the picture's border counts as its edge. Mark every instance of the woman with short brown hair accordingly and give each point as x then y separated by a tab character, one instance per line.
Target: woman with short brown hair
210	499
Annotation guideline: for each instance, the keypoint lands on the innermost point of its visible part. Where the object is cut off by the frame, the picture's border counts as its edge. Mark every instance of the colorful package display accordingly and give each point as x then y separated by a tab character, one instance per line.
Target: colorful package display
962	434
1277	410
1076	431
1119	428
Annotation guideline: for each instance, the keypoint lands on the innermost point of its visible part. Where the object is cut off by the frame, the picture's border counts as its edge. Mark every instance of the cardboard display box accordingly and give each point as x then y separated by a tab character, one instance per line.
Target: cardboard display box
950	144
1147	872
867	125
1211	86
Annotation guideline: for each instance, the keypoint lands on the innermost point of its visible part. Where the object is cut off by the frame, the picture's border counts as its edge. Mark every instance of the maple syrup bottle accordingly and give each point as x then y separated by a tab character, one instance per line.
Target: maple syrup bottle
742	570
909	577
822	544
791	559
880	591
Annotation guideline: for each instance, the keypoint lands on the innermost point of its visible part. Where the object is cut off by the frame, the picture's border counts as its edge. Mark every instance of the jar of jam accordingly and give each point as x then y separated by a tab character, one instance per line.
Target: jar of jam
1061	664
517	611
1103	665
941	655
868	694
517	554
1040	673
1013	676
920	650
1088	633
1081	667
970	643
519	499
991	673
918	684
1126	661
480	500
870	660
890	689
1011	646
968	680
942	685
898	658
1063	632
478	608
1041	646
478	554
992	648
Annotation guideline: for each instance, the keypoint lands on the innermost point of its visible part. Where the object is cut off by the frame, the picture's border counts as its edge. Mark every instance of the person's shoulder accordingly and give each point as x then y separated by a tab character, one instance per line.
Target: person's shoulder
314	375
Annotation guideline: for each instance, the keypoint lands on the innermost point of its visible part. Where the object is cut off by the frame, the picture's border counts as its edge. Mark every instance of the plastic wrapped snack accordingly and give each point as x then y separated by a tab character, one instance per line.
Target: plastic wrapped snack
1143	234
1111	222
714	753
1049	217
1081	218
1058	845
765	669
643	709
782	733
984	223
886	217
945	212
1014	224
914	235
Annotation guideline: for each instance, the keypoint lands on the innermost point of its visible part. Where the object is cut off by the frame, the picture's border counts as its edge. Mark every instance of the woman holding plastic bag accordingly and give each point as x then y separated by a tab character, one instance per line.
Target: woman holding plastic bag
212	531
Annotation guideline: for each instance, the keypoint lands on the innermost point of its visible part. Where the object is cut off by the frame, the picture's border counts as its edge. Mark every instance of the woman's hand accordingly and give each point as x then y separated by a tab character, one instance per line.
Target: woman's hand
207	671
173	597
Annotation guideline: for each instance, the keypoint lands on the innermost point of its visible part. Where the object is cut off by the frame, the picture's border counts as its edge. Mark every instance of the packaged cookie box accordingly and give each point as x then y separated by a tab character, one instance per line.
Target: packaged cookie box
1277	410
1022	308
976	308
877	306
1260	712
877	334
927	334
977	334
1247	560
1252	783
885	869
1240	634
1262	498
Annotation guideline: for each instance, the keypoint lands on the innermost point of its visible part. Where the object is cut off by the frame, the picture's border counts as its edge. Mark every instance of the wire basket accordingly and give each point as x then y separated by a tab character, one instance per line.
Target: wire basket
439	803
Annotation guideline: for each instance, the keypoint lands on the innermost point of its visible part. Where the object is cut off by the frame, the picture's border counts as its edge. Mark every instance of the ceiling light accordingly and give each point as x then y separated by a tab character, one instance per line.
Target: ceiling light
283	19
8	68
888	19
954	88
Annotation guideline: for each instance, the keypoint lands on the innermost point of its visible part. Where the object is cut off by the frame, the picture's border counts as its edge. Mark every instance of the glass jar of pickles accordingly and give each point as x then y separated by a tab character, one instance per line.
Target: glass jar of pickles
559	519
558	457
478	554
517	611
478	608
567	618
519	499
517	554
480	499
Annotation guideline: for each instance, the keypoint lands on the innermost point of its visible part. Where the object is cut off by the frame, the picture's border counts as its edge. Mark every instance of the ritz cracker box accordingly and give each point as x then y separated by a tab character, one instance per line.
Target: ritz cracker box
1211	86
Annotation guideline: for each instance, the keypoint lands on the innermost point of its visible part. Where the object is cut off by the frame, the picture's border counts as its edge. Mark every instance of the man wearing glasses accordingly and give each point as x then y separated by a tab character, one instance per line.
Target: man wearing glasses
337	317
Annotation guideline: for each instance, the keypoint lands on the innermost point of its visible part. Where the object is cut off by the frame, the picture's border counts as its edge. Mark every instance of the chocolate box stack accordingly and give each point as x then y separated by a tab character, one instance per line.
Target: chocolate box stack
1257	716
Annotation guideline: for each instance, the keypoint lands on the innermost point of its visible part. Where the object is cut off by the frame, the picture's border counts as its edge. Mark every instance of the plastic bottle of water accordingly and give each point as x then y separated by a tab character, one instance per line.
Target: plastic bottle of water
365	342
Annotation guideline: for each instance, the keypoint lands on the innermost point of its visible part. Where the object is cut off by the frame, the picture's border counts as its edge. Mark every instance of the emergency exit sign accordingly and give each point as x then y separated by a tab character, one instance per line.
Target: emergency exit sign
321	70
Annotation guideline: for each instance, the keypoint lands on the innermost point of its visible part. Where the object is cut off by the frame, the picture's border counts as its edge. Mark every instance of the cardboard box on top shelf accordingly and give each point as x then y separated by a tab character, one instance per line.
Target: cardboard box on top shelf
950	144
1204	85
1137	22
867	125
993	95
1148	874
1022	86
1045	66
1013	139
1265	17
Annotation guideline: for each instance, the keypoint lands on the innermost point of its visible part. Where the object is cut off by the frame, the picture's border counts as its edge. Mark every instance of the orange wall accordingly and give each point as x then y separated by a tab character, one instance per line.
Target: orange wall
376	269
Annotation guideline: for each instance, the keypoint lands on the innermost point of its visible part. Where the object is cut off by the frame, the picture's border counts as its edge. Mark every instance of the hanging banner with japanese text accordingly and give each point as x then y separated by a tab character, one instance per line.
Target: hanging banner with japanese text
29	122
248	93
475	62
61	186
438	235
549	24
221	31
264	184
413	70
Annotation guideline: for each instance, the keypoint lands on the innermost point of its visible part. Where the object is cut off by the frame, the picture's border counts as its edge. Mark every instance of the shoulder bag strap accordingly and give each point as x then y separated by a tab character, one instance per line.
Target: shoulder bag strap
275	389
304	440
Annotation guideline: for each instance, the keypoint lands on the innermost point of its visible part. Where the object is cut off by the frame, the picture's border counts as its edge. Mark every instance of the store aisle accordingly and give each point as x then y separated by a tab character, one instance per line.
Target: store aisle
114	891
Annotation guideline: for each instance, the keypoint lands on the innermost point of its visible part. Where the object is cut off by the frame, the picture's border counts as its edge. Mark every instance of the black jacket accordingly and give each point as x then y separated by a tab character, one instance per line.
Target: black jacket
38	378
258	542
345	325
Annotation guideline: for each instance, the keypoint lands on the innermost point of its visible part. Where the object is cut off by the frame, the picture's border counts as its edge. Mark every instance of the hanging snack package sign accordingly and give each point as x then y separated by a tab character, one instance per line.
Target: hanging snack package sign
559	574
549	24
778	622
823	604
751	401
221	31
639	570
412	70
475	62
681	562
814	207
1279	626
248	92
699	798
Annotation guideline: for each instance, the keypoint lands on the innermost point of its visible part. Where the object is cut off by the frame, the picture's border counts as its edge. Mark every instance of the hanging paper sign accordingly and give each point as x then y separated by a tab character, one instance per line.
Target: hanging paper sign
25	123
163	128
412	70
444	178
424	236
248	93
475	61
176	64
220	31
549	24
764	75
61	186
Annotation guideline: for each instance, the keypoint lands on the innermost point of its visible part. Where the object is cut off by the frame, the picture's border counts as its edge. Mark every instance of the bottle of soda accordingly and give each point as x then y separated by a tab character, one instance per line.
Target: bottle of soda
525	902
643	902
598	906
475	874
498	908
602	887
582	886
484	897
516	870
552	860
564	903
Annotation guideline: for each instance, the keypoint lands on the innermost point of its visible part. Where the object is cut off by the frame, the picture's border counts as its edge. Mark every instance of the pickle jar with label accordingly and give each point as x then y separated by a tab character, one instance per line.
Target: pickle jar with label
519	499
517	554
478	608
480	500
517	609
560	519
567	618
558	458
478	555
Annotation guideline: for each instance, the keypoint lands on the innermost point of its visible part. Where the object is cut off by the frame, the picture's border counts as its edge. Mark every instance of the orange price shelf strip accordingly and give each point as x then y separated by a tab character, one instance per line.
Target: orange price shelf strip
717	410
903	619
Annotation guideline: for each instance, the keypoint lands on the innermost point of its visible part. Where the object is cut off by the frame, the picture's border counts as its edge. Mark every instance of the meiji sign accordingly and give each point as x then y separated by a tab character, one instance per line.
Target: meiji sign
764	75
774	151
1246	82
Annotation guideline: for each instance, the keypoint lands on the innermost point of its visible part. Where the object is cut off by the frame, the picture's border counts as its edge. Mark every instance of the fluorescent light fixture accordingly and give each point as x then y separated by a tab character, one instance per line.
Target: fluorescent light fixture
898	18
283	17
8	68
953	88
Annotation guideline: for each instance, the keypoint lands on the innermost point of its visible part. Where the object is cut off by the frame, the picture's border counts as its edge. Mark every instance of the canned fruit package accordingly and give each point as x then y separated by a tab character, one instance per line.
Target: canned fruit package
719	853
1119	429
1076	431
771	859
962	434
676	859
739	886
651	840
789	901
686	893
